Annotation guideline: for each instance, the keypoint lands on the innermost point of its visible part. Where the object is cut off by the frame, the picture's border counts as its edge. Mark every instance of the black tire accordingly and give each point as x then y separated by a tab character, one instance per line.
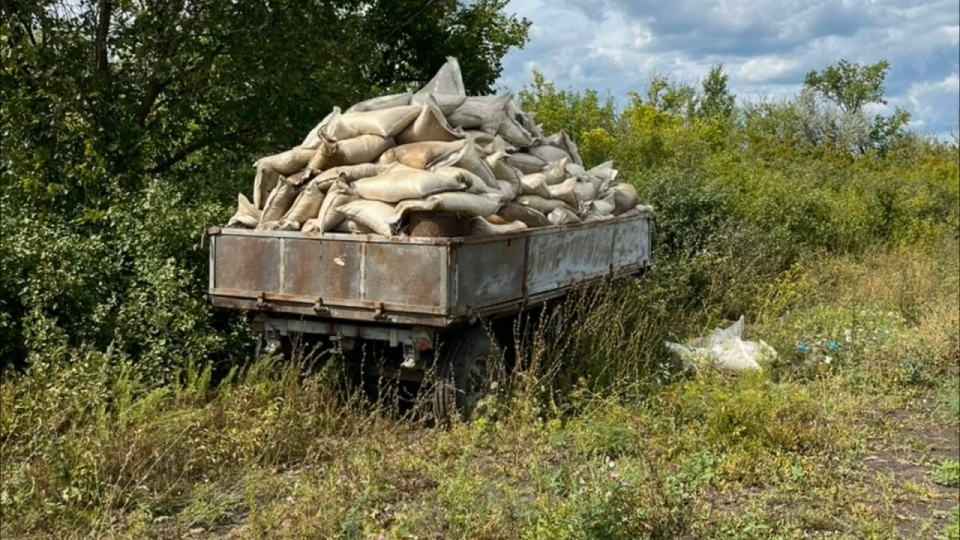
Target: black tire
462	373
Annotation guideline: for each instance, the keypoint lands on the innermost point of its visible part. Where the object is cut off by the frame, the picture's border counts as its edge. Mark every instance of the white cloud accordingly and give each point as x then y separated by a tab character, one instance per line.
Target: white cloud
766	46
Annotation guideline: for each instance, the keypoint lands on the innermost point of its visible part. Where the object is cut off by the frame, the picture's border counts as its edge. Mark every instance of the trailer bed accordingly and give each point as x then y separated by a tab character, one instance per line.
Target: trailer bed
433	282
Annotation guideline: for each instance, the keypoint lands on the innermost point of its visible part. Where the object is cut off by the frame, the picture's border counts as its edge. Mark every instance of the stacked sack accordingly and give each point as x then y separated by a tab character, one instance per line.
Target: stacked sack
364	169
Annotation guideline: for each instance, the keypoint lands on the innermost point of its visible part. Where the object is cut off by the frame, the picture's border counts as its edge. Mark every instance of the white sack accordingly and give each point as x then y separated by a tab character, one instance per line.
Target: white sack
384	123
429	125
247	216
509	190
393	187
548	153
482	113
467	158
534	184
474	183
446	88
348	173
526	163
286	163
313	139
263	184
562	141
339	195
555	172
566	192
421	155
563	216
362	149
374	215
480	226
278	202
624	197
586	190
305	206
462	203
540	204
514	211
381	102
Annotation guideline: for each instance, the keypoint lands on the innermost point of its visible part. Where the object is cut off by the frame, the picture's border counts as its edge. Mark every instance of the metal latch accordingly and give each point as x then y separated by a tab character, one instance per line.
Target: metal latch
262	301
378	314
319	307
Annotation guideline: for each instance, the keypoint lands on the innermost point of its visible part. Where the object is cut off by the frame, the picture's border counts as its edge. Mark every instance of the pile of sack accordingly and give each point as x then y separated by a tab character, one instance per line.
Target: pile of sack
365	169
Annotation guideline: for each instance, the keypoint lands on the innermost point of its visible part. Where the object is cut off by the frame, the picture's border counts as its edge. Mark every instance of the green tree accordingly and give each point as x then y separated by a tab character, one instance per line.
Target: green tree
128	126
716	100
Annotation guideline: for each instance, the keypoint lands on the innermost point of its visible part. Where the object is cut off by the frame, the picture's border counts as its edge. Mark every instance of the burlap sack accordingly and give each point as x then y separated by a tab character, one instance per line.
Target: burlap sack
247	216
563	216
458	202
526	163
377	216
362	149
277	204
393	187
305	206
481	113
263	184
381	102
555	172
480	226
514	211
421	155
467	158
445	88
348	173
474	183
430	125
540	204
562	141
548	153
286	163
338	195
384	123
586	190
535	184
566	192
624	197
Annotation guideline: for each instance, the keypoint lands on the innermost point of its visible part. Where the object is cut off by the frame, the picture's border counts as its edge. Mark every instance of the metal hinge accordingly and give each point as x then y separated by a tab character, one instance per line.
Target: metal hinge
319	307
262	301
378	314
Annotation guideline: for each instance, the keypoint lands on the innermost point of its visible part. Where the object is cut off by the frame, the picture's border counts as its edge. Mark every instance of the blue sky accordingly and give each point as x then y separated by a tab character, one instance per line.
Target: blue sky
766	46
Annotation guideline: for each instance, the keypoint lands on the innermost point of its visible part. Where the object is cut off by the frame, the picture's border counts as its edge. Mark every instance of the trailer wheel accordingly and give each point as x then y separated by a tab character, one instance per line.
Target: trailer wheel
462	373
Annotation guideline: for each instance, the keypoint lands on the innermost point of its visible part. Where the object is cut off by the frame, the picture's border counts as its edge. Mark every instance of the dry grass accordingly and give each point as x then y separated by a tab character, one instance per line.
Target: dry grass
592	438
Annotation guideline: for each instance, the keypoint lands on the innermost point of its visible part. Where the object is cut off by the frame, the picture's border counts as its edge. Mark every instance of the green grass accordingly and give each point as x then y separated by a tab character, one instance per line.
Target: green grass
584	445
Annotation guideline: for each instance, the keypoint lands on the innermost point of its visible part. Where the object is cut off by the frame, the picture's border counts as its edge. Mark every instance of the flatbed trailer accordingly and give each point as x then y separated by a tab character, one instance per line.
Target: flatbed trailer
408	294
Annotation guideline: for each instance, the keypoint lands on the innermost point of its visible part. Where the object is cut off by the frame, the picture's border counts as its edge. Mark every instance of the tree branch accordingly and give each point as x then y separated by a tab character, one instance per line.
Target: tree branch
100	43
196	146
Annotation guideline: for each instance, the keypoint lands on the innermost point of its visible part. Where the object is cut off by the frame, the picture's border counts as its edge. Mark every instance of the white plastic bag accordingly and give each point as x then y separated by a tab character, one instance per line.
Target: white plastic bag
725	349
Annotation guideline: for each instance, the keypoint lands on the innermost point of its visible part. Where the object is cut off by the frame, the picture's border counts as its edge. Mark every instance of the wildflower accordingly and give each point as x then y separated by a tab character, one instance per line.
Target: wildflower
827	359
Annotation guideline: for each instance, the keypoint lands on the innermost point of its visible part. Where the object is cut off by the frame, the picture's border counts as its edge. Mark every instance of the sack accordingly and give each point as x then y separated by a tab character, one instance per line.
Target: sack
305	206
467	158
313	139
393	187
526	163
480	226
563	216
445	88
474	183
576	171
514	211
263	184
562	141
566	192
509	190
286	163
540	204
604	171
362	149
535	184
481	139
278	202
556	171
586	190
375	215
482	113
548	153
421	155
593	216
502	170
461	203
381	102
601	207
352	227
339	195
624	197
512	128
384	123
429	125
348	173
247	216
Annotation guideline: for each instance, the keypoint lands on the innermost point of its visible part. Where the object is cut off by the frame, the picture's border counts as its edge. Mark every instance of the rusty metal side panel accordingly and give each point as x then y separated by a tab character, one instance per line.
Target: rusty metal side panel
489	273
406	275
631	242
563	257
246	263
321	269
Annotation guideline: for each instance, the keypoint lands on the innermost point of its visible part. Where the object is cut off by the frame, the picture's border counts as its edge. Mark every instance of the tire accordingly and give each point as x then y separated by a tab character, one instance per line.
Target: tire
462	374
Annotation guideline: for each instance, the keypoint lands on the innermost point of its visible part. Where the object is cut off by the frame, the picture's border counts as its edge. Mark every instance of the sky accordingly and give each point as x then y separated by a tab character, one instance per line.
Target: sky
765	46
